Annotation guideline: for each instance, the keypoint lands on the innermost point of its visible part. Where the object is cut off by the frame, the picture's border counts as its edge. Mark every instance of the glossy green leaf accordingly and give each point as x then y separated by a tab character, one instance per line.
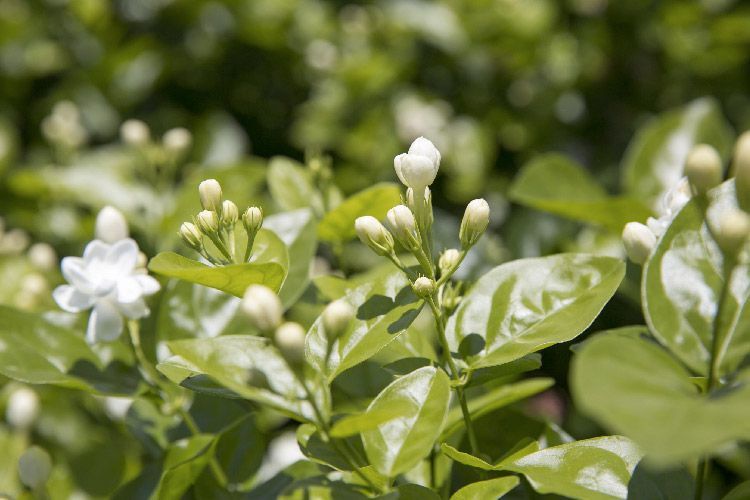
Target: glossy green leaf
184	462
385	306
338	224
355	424
655	158
245	365
239	450
529	304
297	230
271	489
399	444
494	399
483	490
520	450
554	183
291	186
592	469
634	387
682	282
37	351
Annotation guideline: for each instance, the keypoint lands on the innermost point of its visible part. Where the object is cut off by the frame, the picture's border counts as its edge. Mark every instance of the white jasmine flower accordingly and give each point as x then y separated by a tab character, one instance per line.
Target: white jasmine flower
418	168
105	279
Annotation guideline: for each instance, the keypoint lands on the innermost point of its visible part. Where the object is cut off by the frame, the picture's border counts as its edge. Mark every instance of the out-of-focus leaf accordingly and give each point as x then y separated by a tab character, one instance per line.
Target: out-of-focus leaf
554	183
399	444
184	462
271	489
239	450
529	304
674	484
740	492
291	186
491	488
410	492
338	224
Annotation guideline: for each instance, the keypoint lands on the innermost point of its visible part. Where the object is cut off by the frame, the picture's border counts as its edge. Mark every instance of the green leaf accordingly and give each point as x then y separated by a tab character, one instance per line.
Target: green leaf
36	351
385	307
245	365
525	447
554	183
740	492
239	450
655	158
529	304
410	492
494	399
271	489
682	281
184	462
338	224
233	279
634	387
355	424
297	230
592	469
674	484
482	490
399	444
291	186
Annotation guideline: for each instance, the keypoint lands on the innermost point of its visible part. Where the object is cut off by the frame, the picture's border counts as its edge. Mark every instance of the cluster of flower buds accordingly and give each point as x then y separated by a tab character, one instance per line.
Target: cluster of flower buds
217	222
175	142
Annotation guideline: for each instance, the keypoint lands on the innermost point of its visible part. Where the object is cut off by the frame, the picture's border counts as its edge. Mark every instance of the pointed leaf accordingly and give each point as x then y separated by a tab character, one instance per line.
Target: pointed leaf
184	462
338	224
492	488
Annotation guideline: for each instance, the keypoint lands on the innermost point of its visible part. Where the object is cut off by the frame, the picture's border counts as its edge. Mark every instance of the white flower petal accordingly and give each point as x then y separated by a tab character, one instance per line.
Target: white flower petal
149	284
425	147
134	310
71	300
418	171
397	162
96	250
74	272
128	290
123	255
105	323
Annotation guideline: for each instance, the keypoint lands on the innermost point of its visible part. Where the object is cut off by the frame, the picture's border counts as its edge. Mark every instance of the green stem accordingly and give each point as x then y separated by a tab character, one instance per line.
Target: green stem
700	476
249	247
220	246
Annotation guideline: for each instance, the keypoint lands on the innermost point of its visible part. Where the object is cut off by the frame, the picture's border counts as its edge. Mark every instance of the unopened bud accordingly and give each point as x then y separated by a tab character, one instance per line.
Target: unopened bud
252	219
177	140
191	235
404	227
135	133
336	318
43	256
732	231
229	213
263	307
639	241
34	467
290	340
373	234
703	168
475	221
209	192
207	221
417	168
424	287
449	260
111	225
23	408
741	168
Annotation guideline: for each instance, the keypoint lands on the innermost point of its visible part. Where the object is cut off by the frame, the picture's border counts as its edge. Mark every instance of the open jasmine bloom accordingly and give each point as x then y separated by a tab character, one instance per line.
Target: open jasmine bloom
108	280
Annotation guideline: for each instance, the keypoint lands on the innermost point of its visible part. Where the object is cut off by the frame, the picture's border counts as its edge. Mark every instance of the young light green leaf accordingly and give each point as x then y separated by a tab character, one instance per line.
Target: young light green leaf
525	447
338	224
634	387
556	184
355	424
482	490
529	304
399	444
184	462
291	186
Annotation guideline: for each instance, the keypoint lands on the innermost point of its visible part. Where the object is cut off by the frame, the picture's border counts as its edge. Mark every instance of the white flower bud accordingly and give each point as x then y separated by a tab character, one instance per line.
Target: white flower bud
135	133
741	168
449	260
336	318
177	140
475	221
703	168
252	219
425	147
229	213
290	340
404	227
424	286
141	261
42	256
34	467
373	234
111	225
207	221
263	307
639	241
733	230
415	171
23	408
209	192
191	235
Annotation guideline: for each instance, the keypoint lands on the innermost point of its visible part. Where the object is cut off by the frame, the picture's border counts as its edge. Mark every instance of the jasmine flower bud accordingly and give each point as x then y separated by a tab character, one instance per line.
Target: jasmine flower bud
111	225
703	168
449	260
290	340
263	307
475	221
177	140
135	133
372	233
423	287
191	235
639	241
336	318
252	219
23	408
733	231
229	213
741	167
404	227
207	221
42	256
209	192
418	168
34	467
